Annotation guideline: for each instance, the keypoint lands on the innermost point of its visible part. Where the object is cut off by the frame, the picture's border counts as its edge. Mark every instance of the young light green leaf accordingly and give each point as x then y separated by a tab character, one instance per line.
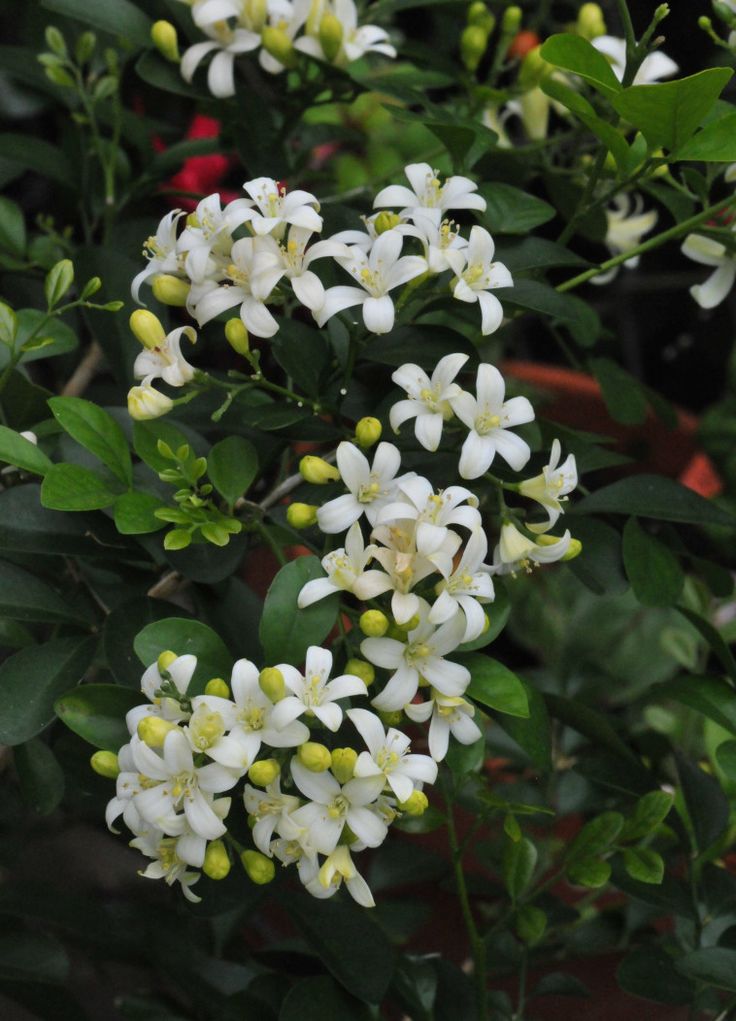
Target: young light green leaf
58	281
232	464
71	487
715	143
96	712
596	836
134	513
31	325
12	228
644	864
650	811
519	862
97	431
8	324
589	872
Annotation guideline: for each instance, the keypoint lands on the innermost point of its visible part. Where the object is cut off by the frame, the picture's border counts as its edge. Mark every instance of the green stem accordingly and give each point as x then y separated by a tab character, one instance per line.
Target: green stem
270	541
521	997
629	33
582	206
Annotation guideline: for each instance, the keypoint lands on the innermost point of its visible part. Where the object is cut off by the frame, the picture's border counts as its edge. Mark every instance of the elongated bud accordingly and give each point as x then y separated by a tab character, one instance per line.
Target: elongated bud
343	763
216	686
146	402
164	38
147	328
373	623
367	432
264	772
416	804
473	44
260	869
591	23
359	668
271	682
330	36
391	719
316	757
257	11
478	14
237	336
386	220
85	47
216	863
170	290
165	660
105	764
533	68
152	730
511	20
574	549
301	515
535	106
277	42
317	470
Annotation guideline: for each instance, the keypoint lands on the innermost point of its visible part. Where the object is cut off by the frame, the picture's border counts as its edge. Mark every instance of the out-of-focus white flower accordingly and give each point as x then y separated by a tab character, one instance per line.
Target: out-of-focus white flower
428	192
165	361
356	40
388	756
627	225
166	864
343	566
709	252
313	692
480	276
371	487
552	486
428	399
516	552
465	589
232	31
654	67
161	252
449	716
331	806
145	401
272	208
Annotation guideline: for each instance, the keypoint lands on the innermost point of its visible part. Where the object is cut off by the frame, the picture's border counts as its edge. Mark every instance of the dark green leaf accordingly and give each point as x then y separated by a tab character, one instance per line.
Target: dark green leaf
465	758
652	973
612	138
715	966
624	399
321	999
232	464
97	431
23	403
596	836
707	805
495	686
519	862
121	627
32	957
134	513
653	496
713	638
593	873
559	984
96	712
12	228
40	775
592	724
34	154
644	864
716	143
535	296
303	353
17	450
510	210
154	70
600	566
573	53
536	253
653	570
423	344
23	596
70	487
118	17
186	637
726	758
286	631
710	696
533	733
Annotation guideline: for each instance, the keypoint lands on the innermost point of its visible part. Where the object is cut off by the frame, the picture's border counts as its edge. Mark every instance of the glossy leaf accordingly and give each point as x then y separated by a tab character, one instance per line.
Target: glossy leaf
493	685
286	631
134	513
97	431
23	596
70	487
715	966
573	53
644	864
40	775
96	712
596	836
510	210
53	337
519	862
118	17
232	464
624	399
654	496
649	812
17	450
716	143
652	973
184	636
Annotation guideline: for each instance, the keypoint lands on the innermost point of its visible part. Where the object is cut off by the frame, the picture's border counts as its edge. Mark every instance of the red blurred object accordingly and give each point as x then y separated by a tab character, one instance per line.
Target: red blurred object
522	43
200	174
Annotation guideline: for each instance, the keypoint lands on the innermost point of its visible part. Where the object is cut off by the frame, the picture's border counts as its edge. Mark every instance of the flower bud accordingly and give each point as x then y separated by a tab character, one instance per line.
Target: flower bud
237	336
367	432
105	764
511	20
170	290
330	35
317	470
216	863
152	730
260	869
478	14
165	660
473	43
216	686
164	38
386	220
147	328
271	683
373	623
533	69
146	402
264	772
301	515
359	668
315	756
257	12
590	23
416	804
277	42
391	719
573	550
343	763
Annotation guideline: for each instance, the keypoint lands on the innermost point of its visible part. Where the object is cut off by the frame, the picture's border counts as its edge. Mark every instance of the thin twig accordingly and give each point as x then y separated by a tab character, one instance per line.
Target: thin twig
84	372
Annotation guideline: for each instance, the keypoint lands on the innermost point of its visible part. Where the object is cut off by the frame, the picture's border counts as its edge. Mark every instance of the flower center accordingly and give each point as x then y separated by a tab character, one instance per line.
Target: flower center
237	275
387	760
486	422
474	273
432	190
252	717
369	491
431	397
338	808
417	651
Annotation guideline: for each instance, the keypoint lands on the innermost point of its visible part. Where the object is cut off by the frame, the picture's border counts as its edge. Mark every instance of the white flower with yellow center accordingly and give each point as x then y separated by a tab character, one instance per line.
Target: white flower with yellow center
627	225
165	360
467	587
355	40
292	260
444	248
517	552
331	806
343	566
388	756
272	208
313	693
371	486
128	783
480	276
449	716
428	398
429	192
162	691
205	242
552	486
339	866
271	810
433	513
709	252
161	251
167	863
242	288
231	32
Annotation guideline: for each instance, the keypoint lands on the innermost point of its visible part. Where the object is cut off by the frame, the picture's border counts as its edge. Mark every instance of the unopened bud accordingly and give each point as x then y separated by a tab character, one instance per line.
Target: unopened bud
511	20
373	623
147	328
591	23
359	668
277	42
216	686
330	35
478	14
257	12
164	38
724	12
264	772
391	719
271	683
367	432
533	68
237	336
473	43
216	863
343	764
301	515
105	764
386	220
152	730
317	470
574	549
416	804
170	290
316	757
260	869
165	660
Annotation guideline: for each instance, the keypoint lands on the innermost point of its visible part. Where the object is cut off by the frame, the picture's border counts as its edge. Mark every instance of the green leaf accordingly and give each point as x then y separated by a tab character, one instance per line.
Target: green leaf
573	53
600	566
321	999
532	734
707	805
653	570
286	631
118	17
23	596
650	811
644	864
121	627
40	775
668	113
154	70
596	836
71	487
58	281
34	154
713	638
17	450
8	325
186	637
716	143
147	434
495	686
536	253
510	210
32	679
715	966
653	496
96	712
707	695
12	228
621	391
232	464
573	312
463	759
57	337
613	140
652	973
592	724
726	758
134	513
97	431
32	957
589	872
303	353
519	862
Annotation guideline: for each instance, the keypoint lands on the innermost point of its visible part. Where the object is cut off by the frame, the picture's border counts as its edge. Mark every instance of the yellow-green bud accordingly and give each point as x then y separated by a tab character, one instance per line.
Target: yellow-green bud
478	14
216	686
216	863
359	668
533	69
330	35
257	12
391	719
373	623
152	730
264	772
473	43
170	290
315	756
591	23
301	515
574	549
260	869
318	471
237	336
511	21
368	431
416	804
147	328
343	763
165	660
386	220
271	682
164	38
277	42
105	764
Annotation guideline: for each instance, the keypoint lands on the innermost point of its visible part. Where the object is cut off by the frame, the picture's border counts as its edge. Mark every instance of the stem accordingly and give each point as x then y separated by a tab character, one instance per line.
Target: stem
582	206
521	997
629	33
270	541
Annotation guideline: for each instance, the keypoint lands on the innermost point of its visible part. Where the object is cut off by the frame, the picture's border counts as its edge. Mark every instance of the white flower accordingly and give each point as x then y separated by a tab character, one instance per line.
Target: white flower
449	716
166	361
313	692
213	18
343	566
128	784
161	252
167	863
655	66
145	401
443	247
627	225
365	238
479	276
378	272
516	552
243	288
330	806
356	40
370	487
433	512
469	583
339	866
270	809
429	399
208	235
292	260
388	756
490	419
709	252
162	694
429	193
552	485
272	208
288	18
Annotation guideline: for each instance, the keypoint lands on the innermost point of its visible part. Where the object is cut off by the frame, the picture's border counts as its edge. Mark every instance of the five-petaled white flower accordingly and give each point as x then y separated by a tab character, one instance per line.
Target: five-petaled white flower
161	251
313	692
339	866
465	589
709	252
330	806
517	552
428	398
433	512
449	716
292	260
479	276
388	756
344	568
552	486
428	192
272	207
208	235
357	40
243	288
370	487
655	66
271	810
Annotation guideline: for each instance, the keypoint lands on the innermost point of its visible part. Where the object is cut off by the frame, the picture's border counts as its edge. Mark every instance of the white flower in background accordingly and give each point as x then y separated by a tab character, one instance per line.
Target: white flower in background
490	419
421	655
272	208
480	275
428	398
331	806
165	361
356	41
388	756
364	239
214	18
271	810
313	692
161	251
428	192
432	512
343	566
339	866
709	252
377	272
444	248
371	487
208	235
243	288
516	552
627	225
654	67
449	716
552	486
146	402
461	592
288	19
166	864
292	260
